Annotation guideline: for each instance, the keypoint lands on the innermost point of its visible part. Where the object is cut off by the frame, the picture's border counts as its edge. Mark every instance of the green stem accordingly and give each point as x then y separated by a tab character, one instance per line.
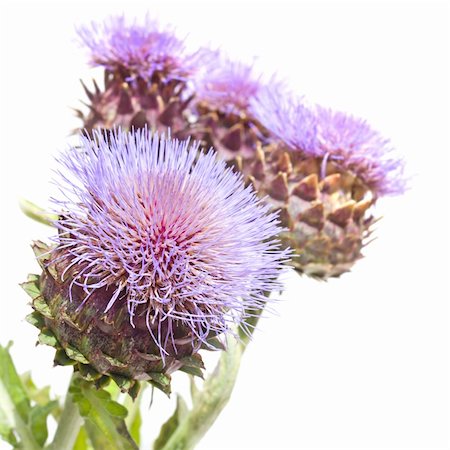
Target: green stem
212	399
36	213
69	425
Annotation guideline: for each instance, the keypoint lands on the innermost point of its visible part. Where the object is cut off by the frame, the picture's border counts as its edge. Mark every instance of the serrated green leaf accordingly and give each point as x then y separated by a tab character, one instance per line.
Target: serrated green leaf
6	432
41	396
38	420
172	423
15	405
46	337
13	384
116	409
104	420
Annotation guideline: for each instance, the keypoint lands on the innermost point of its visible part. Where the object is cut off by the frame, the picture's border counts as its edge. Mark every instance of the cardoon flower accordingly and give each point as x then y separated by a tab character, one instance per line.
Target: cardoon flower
324	170
147	68
228	87
160	252
221	107
352	143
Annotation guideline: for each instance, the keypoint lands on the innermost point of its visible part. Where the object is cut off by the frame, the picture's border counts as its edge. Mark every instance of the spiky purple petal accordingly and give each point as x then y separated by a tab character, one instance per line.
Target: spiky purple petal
228	85
290	121
141	49
361	150
321	132
165	226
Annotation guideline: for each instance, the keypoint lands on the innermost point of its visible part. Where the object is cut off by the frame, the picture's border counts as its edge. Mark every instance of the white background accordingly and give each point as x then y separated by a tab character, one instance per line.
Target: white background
355	363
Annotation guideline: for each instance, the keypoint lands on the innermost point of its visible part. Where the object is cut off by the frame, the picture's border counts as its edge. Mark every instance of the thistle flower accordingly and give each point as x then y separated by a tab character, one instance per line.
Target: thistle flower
221	109
228	86
321	132
147	69
289	119
360	149
160	249
324	170
139	49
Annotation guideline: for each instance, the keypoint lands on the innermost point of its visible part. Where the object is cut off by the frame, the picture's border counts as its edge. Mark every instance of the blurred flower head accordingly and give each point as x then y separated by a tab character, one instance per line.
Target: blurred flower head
228	85
360	149
289	120
335	136
138	49
169	232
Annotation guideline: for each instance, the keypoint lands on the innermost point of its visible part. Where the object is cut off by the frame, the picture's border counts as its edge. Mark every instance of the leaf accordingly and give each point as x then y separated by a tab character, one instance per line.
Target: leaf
15	405
82	442
168	428
103	417
43	406
134	427
133	404
13	385
38	420
116	409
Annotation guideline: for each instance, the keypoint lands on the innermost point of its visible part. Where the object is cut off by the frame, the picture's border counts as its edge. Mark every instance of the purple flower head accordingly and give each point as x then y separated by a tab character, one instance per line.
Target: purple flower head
362	150
170	232
140	49
228	85
338	137
286	117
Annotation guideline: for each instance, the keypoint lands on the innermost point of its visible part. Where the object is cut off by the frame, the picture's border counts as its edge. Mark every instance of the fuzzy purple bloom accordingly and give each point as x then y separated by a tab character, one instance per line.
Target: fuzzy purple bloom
168	230
290	121
336	136
228	85
361	149
141	49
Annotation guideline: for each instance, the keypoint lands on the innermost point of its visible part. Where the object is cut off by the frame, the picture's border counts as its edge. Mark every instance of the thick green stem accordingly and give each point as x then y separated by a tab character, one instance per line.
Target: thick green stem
36	213
208	403
217	389
69	425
